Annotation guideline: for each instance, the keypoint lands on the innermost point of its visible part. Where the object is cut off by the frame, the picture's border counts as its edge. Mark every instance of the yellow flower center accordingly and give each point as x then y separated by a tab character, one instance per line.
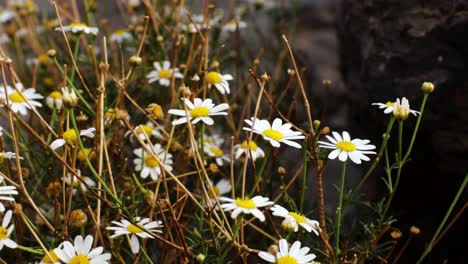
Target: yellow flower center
3	233
216	151
215	190
110	114
287	260
298	217
120	32
54	256
200	111
134	229
83	152
17	97
213	78
78	25
148	129
151	162
55	95
389	103
245	203
252	146
165	74
44	59
273	134
70	135
79	259
346	146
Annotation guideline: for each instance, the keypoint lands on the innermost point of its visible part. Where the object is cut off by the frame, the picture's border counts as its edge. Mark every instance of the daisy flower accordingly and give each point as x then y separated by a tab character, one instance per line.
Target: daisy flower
275	133
5	231
22	99
389	107
221	188
164	73
81	252
4	191
198	110
120	36
246	206
6	15
219	81
70	99
286	255
401	110
54	100
70	137
149	129
78	28
71	179
244	148
148	164
343	147
295	219
8	155
233	25
216	152
124	227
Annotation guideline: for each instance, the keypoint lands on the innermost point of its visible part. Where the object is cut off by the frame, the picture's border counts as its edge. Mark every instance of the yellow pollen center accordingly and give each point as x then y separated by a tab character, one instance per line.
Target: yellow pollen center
389	103
70	135
54	256
120	32
346	146
199	111
215	190
84	153
252	146
73	25
273	134
79	259
55	95
17	98
216	151
287	260
134	229
298	217
44	59
3	233
165	74
148	130
151	162
213	78
246	203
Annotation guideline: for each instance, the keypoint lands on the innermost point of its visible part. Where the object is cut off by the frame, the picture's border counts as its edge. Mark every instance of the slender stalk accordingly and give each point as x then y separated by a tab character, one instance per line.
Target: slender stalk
304	179
447	214
339	209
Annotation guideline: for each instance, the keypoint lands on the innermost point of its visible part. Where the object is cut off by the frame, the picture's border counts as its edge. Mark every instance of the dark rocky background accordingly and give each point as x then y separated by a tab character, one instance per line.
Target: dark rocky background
375	51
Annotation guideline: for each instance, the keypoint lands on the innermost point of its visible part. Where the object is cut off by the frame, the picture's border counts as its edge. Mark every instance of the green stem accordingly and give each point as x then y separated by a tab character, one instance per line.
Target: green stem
31	250
202	143
339	209
442	224
378	157
88	162
400	163
258	176
413	138
75	56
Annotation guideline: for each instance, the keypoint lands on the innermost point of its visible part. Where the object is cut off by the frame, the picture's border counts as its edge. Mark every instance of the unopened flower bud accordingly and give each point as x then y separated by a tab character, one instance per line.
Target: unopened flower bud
149	197
415	230
69	98
135	60
214	168
291	72
265	77
325	131
281	170
51	53
53	189
155	111
427	87
273	249
327	82
200	258
196	78
316	124
289	224
78	218
396	234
